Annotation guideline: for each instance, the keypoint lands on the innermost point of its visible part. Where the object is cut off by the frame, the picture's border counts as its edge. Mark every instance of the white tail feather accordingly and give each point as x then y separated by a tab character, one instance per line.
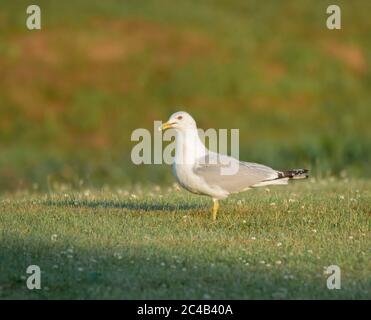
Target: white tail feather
271	182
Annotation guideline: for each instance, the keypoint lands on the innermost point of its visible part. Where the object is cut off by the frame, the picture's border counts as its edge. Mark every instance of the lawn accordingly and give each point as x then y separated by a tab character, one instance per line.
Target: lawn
298	93
98	226
158	242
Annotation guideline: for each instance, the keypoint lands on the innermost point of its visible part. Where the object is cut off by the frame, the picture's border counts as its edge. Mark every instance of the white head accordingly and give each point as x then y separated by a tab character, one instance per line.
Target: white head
180	121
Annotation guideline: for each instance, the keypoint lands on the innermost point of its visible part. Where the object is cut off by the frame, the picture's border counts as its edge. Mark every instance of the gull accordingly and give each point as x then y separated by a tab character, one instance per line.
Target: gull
200	170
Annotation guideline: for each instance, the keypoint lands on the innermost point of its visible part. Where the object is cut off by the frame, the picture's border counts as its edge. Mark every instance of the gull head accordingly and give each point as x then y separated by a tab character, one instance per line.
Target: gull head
180	121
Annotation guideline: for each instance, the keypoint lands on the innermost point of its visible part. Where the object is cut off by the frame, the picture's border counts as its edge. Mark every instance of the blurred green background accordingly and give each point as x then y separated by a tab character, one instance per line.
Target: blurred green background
72	93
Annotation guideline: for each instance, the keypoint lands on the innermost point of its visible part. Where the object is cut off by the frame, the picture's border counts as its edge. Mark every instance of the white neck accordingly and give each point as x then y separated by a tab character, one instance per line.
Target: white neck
188	147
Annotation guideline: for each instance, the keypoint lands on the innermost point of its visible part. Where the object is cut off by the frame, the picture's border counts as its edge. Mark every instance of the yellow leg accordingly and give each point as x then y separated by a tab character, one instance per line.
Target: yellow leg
215	208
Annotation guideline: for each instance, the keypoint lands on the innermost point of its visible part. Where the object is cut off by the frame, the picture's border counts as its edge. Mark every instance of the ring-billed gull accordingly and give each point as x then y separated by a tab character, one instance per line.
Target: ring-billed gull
200	170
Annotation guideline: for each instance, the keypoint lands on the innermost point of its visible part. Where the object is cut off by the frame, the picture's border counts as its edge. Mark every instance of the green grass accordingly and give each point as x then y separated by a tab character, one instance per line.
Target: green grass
72	93
153	242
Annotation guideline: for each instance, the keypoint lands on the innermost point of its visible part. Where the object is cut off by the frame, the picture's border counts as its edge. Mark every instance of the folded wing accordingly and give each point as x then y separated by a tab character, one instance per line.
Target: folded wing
245	176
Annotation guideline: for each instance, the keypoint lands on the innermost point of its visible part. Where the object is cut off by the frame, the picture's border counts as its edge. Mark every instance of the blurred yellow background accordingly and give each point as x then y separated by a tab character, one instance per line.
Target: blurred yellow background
72	92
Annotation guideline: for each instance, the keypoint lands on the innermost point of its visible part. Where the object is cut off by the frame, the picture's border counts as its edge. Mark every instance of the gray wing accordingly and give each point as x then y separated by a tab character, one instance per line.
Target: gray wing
247	175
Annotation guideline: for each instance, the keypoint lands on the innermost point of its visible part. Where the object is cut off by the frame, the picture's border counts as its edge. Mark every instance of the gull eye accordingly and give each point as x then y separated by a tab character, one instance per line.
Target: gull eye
179	117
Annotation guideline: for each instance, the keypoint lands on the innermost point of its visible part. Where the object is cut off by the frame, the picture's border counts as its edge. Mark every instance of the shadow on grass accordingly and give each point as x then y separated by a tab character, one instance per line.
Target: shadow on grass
144	273
125	204
98	274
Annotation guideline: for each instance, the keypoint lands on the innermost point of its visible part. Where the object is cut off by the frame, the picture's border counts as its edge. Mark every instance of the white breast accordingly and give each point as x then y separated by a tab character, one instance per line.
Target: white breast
189	148
194	183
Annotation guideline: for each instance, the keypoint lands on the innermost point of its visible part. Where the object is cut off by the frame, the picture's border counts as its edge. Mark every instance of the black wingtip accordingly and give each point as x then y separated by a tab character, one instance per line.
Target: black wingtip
296	174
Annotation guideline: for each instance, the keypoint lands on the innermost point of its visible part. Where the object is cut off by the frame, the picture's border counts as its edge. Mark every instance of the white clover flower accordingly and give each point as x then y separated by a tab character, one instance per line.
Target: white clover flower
54	237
